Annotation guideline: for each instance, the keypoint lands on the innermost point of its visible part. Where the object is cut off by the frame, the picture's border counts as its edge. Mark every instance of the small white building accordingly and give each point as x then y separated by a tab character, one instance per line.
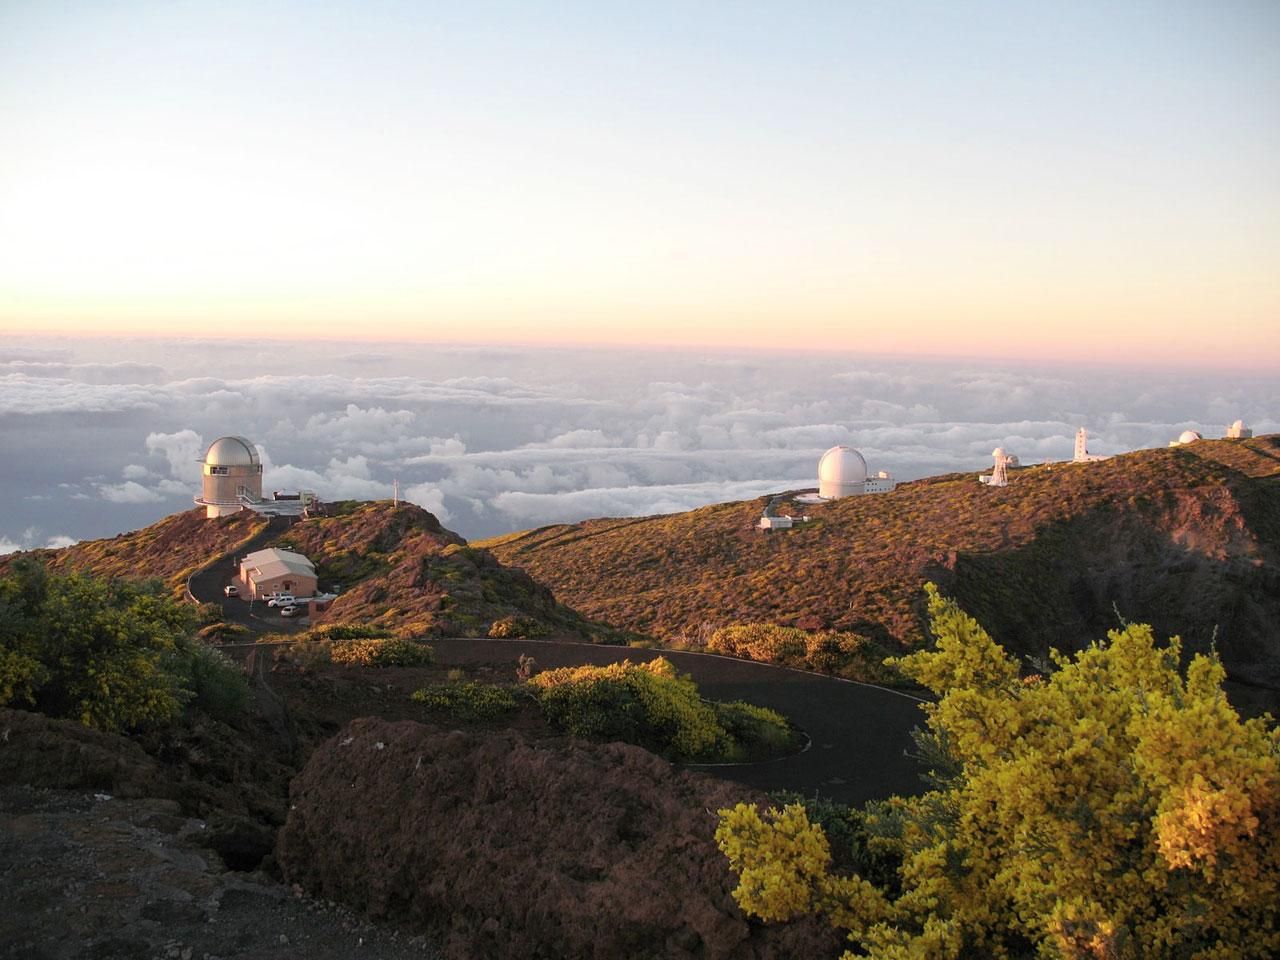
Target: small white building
1238	431
776	523
882	482
1082	454
998	477
277	571
1187	436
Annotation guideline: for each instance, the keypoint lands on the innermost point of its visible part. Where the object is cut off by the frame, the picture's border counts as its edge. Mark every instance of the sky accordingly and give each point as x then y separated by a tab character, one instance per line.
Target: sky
1019	182
101	436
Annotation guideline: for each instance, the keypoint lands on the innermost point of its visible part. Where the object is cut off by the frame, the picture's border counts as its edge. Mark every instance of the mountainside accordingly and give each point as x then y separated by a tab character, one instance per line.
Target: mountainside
1185	538
170	549
398	567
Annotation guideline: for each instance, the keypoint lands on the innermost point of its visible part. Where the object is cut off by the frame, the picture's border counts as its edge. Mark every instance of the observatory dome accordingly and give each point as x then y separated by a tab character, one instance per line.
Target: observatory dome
841	471
998	452
231	452
1189	436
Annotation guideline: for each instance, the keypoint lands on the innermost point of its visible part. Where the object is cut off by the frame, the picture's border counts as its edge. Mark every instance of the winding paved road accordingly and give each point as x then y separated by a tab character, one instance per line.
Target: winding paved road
859	733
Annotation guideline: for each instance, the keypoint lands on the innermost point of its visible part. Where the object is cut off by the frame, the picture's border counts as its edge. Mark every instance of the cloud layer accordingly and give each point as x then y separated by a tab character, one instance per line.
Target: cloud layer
105	436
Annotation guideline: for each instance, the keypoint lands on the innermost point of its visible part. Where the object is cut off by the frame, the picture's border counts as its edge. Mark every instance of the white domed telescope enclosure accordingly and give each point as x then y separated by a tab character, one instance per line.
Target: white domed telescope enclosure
999	475
842	472
1186	437
231	469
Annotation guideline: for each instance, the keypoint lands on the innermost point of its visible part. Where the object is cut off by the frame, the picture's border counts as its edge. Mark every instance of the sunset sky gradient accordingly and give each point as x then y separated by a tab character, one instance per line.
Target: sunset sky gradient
1097	180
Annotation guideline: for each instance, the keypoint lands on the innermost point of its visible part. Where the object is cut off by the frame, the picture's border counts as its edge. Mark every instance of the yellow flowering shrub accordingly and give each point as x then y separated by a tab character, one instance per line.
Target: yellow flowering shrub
376	652
1114	808
649	704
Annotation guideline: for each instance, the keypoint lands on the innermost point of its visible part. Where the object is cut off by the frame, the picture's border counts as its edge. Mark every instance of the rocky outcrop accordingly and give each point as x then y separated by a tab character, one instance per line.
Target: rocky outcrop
565	850
43	752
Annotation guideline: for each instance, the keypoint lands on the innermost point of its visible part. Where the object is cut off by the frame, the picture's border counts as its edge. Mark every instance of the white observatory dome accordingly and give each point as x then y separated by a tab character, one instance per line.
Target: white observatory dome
841	471
231	452
998	452
1189	436
231	469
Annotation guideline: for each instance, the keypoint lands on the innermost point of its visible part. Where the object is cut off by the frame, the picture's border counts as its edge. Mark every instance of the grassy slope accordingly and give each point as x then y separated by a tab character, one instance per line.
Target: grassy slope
399	568
169	550
1186	538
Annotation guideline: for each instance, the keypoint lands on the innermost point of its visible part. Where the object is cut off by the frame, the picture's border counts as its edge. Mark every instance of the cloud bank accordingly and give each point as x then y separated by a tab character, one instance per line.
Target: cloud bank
106	436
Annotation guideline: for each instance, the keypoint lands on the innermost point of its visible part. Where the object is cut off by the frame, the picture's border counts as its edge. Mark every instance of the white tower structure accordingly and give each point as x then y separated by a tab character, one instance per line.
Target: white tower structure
230	468
1082	454
999	474
842	472
1238	431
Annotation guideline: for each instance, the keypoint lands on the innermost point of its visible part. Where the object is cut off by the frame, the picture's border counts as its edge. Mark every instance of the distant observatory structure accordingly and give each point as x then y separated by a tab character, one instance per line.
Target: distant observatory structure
1187	436
999	476
231	467
232	481
842	472
1238	431
1082	454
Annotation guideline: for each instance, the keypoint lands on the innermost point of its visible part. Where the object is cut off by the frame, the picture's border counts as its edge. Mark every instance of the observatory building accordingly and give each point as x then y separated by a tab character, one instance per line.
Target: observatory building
1187	436
231	469
842	472
1082	454
1238	431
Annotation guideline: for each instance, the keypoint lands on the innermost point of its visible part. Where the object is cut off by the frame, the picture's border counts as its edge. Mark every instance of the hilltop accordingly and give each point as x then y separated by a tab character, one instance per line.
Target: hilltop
1186	538
399	569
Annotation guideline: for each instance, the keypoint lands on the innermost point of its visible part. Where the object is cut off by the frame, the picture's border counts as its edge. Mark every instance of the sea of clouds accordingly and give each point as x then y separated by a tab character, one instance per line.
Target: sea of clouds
98	437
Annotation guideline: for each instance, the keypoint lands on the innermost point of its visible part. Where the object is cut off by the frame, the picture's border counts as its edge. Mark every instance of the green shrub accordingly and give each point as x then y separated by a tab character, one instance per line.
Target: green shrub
381	653
848	655
753	731
470	702
114	654
648	704
521	627
219	686
345	631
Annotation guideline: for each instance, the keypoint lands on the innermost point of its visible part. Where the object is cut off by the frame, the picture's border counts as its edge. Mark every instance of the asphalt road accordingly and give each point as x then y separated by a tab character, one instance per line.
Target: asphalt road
206	586
859	734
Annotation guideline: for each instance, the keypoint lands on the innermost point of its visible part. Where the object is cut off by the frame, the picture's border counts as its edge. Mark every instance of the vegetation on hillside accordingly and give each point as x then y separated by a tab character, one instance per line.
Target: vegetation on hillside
848	655
169	550
1117	807
400	571
654	706
115	655
1186	538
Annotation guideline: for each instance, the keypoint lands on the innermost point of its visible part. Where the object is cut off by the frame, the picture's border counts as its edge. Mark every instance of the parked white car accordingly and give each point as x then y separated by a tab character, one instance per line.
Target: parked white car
291	610
281	600
231	590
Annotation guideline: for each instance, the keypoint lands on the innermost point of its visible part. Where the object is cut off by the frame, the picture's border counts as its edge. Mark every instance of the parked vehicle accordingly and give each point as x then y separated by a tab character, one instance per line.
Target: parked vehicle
231	590
292	610
281	600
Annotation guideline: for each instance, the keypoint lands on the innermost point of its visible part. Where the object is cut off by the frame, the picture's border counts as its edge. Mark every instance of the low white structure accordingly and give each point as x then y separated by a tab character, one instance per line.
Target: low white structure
776	523
277	571
1187	436
1238	431
999	476
1082	454
882	482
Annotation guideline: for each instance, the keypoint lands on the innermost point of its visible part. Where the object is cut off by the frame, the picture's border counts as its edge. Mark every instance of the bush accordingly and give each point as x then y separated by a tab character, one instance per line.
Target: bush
525	628
219	686
116	655
381	653
844	654
653	706
1115	808
345	631
470	702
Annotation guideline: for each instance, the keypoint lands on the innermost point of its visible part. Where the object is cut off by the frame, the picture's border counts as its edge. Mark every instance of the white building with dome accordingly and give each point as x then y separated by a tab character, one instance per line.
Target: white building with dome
1187	436
231	468
842	472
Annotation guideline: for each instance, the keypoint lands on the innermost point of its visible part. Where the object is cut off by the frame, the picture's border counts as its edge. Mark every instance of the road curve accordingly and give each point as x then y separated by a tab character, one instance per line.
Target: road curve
860	734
